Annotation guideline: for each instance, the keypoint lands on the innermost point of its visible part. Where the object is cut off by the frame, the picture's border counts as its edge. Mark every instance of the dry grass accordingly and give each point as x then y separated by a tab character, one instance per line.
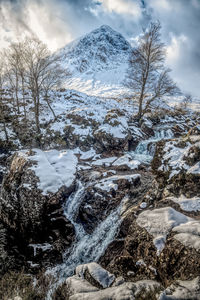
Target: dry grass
14	284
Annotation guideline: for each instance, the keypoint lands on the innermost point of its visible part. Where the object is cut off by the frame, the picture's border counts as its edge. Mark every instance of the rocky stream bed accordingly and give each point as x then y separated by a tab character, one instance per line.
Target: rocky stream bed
111	212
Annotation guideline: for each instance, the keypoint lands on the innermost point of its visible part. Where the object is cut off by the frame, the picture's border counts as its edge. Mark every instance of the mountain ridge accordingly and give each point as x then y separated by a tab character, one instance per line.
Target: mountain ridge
98	62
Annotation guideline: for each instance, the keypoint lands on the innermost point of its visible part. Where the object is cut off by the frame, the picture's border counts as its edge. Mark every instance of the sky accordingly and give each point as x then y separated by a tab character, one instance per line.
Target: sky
58	22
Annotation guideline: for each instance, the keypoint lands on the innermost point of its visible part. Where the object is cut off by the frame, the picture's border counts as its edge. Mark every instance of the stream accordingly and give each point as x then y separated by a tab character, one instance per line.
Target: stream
145	150
90	247
87	247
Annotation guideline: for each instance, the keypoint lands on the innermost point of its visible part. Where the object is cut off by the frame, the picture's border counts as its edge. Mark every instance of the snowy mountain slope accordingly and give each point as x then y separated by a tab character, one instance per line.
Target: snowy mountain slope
98	62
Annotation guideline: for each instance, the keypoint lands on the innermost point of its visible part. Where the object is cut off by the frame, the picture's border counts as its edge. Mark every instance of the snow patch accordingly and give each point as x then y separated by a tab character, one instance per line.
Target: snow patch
103	277
54	169
110	183
159	222
127	161
192	204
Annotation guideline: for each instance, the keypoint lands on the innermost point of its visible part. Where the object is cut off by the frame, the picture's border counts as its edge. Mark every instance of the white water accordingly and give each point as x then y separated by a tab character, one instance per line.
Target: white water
87	247
90	247
146	149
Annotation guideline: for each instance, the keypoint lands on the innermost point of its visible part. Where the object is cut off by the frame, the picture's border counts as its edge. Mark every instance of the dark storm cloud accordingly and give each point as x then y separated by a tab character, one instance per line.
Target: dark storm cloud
60	21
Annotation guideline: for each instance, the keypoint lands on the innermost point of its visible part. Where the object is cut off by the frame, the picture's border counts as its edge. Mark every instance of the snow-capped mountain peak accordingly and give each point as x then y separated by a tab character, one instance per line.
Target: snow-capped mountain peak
97	60
96	50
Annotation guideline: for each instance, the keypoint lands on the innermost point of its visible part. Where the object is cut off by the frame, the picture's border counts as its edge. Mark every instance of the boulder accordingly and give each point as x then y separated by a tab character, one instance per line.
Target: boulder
176	166
79	287
103	196
95	274
108	138
32	195
180	290
160	244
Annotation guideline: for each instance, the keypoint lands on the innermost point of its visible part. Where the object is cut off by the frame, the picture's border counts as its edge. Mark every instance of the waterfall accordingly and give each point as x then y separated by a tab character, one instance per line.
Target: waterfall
90	247
146	149
87	247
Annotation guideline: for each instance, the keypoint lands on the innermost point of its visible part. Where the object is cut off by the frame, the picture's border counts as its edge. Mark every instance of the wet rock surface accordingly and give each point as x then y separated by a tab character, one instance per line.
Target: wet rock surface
31	216
159	239
140	221
105	195
82	287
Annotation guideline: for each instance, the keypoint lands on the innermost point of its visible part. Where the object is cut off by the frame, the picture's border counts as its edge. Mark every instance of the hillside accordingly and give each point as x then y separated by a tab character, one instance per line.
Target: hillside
99	204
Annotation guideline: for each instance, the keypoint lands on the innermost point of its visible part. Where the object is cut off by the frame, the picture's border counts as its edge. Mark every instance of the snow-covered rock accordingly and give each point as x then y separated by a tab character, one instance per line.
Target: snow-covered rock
79	288
182	290
32	196
126	162
54	169
117	181
104	161
160	222
98	123
187	204
98	274
188	234
176	165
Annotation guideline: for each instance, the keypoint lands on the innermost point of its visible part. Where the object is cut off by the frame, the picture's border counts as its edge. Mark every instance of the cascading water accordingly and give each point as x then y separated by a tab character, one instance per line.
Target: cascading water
146	149
87	247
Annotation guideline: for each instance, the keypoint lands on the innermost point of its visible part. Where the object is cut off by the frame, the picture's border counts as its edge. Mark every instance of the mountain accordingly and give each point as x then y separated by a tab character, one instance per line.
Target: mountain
97	61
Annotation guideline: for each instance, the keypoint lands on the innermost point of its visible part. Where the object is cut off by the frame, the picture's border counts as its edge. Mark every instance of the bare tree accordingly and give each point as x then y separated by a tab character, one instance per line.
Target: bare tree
147	76
187	99
13	61
43	72
2	104
32	71
54	78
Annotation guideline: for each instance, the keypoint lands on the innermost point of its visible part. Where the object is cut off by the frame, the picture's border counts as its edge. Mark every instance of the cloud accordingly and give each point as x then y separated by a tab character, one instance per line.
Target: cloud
57	22
26	17
180	20
174	49
125	7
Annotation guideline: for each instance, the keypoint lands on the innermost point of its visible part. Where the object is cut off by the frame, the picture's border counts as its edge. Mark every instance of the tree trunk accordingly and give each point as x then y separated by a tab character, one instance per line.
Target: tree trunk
3	120
5	130
48	103
16	94
36	111
141	101
23	96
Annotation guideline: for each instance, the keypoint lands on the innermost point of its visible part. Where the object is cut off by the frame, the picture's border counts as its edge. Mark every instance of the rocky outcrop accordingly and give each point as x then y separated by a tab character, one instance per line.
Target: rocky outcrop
104	195
80	286
155	248
182	290
108	133
176	165
159	238
31	202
